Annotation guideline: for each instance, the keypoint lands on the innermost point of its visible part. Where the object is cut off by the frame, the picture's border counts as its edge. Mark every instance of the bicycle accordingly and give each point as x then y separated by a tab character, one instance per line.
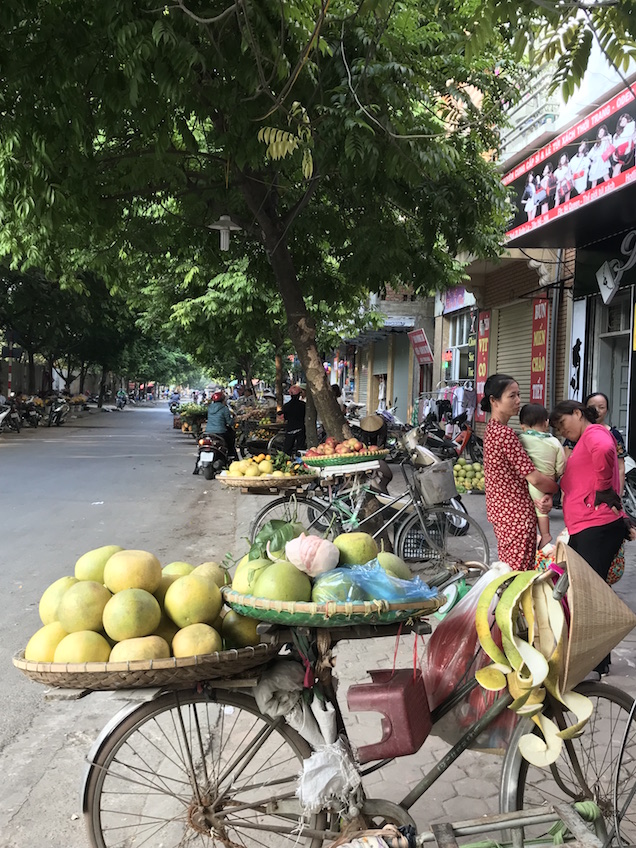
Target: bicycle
424	536
206	761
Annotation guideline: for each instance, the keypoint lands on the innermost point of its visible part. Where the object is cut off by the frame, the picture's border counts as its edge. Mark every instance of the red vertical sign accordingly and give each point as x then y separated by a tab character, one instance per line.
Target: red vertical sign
483	341
539	367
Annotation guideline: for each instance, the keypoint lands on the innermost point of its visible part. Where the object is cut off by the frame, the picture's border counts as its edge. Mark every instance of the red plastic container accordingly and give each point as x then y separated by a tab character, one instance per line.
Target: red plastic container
406	718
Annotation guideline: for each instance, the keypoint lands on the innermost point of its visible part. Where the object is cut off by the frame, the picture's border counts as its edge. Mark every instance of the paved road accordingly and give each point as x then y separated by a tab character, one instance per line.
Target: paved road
125	478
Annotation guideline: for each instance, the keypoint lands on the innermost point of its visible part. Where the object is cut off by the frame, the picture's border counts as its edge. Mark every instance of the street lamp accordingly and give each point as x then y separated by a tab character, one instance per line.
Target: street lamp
225	225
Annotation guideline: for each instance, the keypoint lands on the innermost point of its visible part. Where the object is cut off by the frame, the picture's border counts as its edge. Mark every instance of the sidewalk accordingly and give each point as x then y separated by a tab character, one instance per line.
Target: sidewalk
469	788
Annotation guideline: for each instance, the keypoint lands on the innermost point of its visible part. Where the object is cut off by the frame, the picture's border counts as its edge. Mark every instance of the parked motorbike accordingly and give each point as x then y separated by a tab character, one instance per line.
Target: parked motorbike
58	411
9	417
212	455
30	416
464	442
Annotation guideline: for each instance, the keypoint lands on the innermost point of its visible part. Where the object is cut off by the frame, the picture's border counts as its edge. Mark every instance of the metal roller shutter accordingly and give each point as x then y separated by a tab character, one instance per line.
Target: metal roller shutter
381	357
363	374
514	346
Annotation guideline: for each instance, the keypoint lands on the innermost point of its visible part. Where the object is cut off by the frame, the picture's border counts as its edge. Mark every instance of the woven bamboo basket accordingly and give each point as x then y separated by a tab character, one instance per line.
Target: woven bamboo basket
267	481
330	614
344	458
175	672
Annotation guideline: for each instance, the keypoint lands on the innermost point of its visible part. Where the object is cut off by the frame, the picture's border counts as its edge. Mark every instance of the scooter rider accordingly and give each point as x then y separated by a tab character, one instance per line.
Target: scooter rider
220	422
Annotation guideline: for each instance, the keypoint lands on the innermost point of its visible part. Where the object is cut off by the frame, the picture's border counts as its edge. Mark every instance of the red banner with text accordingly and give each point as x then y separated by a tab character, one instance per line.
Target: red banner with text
483	341
539	368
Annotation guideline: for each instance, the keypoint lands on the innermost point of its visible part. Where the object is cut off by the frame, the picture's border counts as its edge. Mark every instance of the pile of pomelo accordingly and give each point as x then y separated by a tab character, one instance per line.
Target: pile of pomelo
469	477
272	576
121	605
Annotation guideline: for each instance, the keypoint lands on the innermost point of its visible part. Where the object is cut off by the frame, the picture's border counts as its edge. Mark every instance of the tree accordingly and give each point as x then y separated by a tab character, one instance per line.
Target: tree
346	138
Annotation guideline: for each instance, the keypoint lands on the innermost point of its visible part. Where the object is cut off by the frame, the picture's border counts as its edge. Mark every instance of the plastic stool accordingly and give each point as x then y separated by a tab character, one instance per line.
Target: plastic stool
406	718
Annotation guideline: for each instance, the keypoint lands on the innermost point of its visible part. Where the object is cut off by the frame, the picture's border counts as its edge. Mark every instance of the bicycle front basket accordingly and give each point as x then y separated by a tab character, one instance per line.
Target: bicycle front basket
436	483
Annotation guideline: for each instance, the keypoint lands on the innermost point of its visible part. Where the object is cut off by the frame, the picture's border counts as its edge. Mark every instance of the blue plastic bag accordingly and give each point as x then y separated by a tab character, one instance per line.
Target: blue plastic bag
368	582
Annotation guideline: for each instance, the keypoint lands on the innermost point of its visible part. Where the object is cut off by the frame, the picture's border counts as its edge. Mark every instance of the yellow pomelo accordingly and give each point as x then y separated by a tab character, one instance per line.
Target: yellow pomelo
196	639
239	631
277	474
252	471
162	588
282	581
143	648
193	600
246	574
235	468
265	467
132	570
167	628
243	465
51	598
131	613
82	605
356	548
214	572
90	566
180	568
81	647
41	646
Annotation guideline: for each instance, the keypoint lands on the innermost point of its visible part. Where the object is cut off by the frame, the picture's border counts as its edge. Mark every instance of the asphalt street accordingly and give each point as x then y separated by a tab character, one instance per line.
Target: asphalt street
125	478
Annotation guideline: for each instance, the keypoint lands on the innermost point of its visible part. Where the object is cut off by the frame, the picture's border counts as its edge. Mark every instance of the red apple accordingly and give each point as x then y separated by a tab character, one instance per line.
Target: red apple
341	449
358	446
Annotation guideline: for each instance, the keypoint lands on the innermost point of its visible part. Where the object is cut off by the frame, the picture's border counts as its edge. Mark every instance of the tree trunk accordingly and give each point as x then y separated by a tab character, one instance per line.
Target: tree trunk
261	199
278	386
311	421
102	389
31	373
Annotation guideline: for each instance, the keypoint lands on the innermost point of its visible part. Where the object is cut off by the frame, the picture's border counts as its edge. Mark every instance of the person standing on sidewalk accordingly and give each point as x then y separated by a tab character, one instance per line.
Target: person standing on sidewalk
507	470
294	415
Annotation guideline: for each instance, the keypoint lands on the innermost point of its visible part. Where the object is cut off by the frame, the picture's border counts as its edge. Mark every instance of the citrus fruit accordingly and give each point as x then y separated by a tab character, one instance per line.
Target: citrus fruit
394	566
356	548
213	571
196	639
132	570
81	647
166	629
141	648
179	568
252	471
193	600
41	646
131	613
162	588
265	466
90	566
51	598
82	605
239	631
282	581
247	571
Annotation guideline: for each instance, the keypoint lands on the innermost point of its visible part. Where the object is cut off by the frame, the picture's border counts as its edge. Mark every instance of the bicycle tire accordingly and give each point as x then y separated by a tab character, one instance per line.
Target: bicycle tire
524	785
448	538
317	517
190	768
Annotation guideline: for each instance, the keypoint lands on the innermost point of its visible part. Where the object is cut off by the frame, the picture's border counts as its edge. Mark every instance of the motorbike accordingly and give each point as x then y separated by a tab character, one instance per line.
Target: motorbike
9	417
174	406
395	429
212	455
30	416
451	448
121	401
58	411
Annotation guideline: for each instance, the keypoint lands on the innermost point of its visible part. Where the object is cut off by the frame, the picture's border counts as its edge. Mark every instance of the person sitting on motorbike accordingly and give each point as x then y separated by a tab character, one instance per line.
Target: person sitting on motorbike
220	422
122	398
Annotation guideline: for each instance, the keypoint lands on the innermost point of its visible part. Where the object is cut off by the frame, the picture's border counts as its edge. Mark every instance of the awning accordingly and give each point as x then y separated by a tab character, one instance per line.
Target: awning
392	324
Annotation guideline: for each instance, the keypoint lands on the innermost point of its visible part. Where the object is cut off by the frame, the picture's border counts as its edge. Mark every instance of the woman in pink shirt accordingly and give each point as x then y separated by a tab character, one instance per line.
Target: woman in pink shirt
592	508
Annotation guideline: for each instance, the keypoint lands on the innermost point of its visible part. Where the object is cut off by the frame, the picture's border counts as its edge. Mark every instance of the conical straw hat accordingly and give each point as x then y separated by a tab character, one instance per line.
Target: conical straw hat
599	620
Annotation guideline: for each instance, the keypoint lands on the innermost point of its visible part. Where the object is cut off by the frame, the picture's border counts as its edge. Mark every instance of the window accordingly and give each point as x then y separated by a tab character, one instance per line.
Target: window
459	329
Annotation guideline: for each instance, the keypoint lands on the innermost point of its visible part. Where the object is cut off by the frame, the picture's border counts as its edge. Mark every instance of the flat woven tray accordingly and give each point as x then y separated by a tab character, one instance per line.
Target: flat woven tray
175	672
330	614
344	458
267	481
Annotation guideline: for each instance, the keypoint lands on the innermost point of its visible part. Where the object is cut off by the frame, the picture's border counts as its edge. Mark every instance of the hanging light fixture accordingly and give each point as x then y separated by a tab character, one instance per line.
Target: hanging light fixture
225	225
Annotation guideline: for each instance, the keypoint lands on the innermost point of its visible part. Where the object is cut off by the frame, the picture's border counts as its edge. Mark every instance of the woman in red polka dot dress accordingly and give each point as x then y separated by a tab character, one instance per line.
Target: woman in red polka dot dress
507	470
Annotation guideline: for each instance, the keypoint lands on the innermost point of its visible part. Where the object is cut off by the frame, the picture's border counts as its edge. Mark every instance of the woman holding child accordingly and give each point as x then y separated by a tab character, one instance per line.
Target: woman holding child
508	469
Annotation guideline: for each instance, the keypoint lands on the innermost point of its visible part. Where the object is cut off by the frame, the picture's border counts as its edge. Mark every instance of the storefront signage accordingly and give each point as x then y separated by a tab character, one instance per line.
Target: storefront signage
447	356
539	366
592	159
472	344
577	350
483	339
454	299
611	272
421	347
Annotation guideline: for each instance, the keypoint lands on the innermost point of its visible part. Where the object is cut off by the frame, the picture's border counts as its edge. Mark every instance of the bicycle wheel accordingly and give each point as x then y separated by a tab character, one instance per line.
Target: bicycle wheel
198	769
587	767
316	516
446	538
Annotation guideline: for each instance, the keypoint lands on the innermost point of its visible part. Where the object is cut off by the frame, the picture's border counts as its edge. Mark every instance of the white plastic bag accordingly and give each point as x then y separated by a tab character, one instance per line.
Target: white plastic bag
328	777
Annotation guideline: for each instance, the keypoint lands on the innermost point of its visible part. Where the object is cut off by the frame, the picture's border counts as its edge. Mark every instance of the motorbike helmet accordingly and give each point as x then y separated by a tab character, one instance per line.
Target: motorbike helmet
218	397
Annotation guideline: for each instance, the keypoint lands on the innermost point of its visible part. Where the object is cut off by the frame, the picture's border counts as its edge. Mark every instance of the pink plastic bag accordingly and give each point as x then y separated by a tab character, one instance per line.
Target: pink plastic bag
453	656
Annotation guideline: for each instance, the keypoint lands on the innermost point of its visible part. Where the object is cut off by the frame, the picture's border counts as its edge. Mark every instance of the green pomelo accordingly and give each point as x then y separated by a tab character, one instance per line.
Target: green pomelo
247	573
90	566
356	548
178	568
131	613
193	600
282	581
82	605
41	646
51	598
132	570
195	640
336	587
239	631
142	648
213	571
394	566
82	647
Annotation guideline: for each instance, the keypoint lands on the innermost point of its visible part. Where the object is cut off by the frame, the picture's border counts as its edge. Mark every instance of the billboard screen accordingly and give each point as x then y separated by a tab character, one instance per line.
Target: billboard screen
590	161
